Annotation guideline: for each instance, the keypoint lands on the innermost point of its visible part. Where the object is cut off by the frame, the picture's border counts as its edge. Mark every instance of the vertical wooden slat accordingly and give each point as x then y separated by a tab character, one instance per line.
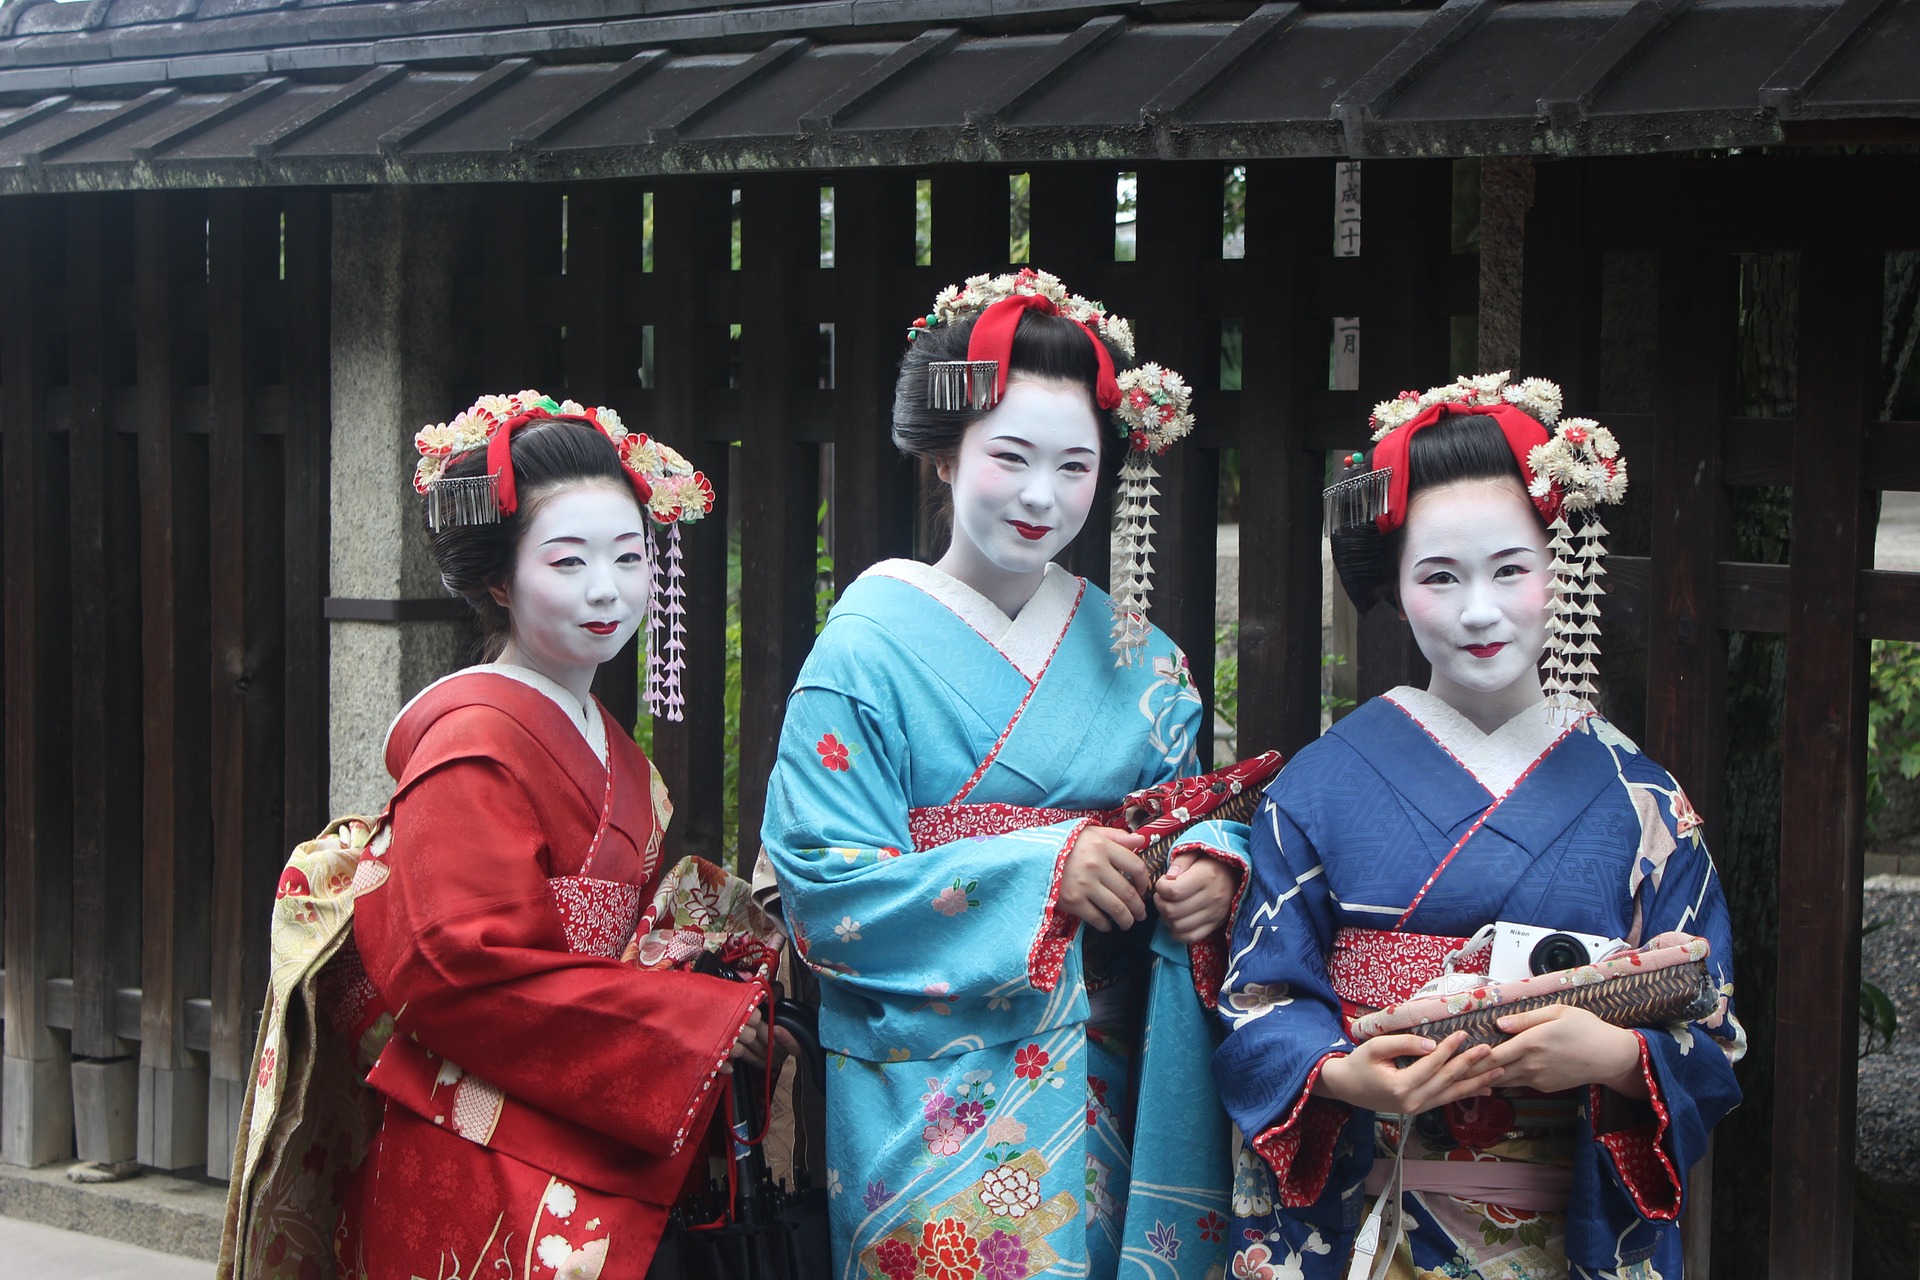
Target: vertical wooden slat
872	483
1560	298
1070	233
306	369
175	934
246	539
1179	228
777	493
588	347
1288	224
1403	343
105	692
1823	761
690	235
1686	651
36	1114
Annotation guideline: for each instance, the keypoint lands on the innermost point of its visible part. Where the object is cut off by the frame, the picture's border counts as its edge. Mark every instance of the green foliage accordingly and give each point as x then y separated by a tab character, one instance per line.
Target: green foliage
1226	672
1019	217
1878	1017
823	591
1893	718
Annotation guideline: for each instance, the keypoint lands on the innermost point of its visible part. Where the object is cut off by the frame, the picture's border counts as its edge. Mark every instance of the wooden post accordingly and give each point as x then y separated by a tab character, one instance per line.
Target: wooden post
690	236
872	483
778	491
1403	344
588	346
175	933
307	372
245	556
105	691
1824	763
1070	233
1179	229
1289	224
36	1109
1686	650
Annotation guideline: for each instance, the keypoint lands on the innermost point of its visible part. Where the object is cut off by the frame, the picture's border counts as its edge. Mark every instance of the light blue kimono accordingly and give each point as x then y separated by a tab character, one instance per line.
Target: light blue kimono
975	1127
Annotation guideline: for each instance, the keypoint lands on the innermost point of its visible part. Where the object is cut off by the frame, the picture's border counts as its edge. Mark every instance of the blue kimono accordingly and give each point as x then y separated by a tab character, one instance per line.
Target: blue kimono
1406	826
936	763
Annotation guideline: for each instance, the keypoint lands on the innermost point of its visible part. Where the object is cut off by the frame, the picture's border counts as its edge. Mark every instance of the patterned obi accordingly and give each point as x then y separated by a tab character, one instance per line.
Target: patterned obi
1373	968
940	824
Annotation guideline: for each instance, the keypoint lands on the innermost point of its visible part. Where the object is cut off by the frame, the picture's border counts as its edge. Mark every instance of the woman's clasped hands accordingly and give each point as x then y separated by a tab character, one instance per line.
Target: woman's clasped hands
1104	883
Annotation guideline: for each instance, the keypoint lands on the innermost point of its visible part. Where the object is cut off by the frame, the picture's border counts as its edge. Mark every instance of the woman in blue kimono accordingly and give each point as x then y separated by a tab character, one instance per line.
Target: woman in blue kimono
1428	814
944	818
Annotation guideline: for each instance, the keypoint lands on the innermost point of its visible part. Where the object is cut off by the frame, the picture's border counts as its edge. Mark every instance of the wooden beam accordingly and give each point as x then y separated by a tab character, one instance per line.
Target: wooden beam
1823	760
1686	650
691	240
36	1113
175	931
306	365
1289	225
779	493
1179	222
873	485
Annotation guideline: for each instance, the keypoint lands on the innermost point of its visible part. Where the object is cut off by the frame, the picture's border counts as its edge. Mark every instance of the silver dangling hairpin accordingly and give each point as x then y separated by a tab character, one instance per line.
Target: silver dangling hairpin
963	386
462	501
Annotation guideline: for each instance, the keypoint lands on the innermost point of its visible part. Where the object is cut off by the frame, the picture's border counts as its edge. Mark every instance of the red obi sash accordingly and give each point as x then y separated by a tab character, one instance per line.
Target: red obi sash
1374	968
942	823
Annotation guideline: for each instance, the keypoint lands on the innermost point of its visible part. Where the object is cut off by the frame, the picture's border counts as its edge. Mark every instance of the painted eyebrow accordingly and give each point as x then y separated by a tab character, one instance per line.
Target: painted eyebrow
1078	448
581	542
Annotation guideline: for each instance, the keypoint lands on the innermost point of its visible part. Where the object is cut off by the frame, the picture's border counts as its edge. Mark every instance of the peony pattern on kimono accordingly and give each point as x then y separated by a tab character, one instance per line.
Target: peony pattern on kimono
700	907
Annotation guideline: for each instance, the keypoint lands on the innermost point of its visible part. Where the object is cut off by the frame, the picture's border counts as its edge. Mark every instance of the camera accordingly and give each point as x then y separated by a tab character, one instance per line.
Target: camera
1521	950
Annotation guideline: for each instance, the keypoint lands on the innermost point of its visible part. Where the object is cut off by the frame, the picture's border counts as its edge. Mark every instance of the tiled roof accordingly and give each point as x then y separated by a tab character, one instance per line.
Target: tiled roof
115	94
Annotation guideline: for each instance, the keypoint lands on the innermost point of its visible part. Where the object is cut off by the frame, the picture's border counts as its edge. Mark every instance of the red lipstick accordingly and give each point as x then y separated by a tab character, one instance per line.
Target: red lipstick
1031	532
601	628
1484	650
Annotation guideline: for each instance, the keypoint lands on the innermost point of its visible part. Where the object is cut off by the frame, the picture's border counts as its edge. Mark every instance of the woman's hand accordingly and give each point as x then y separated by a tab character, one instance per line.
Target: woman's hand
750	1046
1194	897
1104	882
1560	1047
1440	1073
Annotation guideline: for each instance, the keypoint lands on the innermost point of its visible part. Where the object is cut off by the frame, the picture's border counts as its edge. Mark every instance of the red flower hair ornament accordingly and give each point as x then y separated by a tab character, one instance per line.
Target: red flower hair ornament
668	488
1569	467
1151	406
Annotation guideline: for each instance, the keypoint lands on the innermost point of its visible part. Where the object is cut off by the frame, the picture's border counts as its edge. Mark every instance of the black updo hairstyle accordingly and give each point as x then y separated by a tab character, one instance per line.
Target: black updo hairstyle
1451	450
547	454
1044	346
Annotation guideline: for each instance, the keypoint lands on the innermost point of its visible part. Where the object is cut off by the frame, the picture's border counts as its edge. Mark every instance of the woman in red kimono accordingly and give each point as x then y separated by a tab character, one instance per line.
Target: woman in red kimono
543	1097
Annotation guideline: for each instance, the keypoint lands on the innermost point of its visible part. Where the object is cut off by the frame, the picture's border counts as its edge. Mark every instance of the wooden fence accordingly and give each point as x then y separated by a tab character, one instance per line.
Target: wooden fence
164	382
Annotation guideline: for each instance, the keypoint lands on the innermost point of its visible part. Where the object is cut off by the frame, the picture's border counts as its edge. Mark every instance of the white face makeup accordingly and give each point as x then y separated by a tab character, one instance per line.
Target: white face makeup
1474	587
1023	482
580	584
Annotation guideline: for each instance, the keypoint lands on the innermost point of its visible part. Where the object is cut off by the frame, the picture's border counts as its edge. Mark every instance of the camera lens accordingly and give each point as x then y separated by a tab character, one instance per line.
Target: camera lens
1557	951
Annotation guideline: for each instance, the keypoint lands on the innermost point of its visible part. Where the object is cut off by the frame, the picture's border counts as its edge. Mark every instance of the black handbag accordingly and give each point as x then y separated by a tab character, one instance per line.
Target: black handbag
752	1226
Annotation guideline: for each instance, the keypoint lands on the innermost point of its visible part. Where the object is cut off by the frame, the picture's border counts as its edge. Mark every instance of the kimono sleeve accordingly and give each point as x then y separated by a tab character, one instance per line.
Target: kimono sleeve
465	943
959	920
1646	1149
1282	1015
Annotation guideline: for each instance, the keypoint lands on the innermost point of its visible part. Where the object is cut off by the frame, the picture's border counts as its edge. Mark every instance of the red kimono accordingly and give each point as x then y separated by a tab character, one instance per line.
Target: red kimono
544	1101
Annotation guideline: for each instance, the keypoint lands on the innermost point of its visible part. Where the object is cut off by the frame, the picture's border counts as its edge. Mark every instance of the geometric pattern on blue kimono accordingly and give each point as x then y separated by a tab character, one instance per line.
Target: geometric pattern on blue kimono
1578	830
974	1126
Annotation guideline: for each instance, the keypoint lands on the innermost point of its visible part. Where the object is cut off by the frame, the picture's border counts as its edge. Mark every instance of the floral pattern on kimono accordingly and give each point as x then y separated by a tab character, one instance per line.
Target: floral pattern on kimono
936	763
1565	827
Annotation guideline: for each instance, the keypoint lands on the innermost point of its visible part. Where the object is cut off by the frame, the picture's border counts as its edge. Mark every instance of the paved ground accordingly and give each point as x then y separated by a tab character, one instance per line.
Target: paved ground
31	1249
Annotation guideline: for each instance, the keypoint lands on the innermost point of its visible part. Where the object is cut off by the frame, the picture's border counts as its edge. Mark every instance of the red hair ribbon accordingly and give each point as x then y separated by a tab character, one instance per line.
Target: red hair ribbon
1520	429
992	339
500	459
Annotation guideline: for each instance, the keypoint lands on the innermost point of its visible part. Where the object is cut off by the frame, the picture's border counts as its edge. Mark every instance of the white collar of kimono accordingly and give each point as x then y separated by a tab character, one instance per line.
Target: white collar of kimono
1026	641
587	719
1496	760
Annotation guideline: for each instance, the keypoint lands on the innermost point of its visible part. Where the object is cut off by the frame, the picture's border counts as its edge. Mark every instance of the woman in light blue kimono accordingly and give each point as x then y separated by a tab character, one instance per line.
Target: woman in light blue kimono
1009	1095
1427	815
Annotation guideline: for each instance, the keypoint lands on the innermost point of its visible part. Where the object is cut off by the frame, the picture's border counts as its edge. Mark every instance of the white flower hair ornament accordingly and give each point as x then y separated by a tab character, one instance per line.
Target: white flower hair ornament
670	491
1152	407
1570	466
